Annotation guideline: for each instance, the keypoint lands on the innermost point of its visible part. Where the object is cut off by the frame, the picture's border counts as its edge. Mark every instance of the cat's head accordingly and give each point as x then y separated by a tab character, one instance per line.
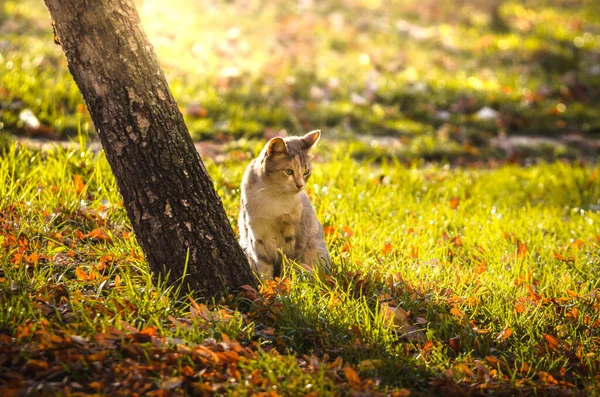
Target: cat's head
286	162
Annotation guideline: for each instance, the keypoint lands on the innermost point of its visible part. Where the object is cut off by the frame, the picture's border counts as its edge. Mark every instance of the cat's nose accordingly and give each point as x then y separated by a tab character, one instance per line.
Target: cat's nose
299	186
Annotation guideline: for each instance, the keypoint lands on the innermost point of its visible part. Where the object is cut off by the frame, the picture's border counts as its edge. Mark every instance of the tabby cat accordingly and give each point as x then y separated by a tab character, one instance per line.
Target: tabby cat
276	215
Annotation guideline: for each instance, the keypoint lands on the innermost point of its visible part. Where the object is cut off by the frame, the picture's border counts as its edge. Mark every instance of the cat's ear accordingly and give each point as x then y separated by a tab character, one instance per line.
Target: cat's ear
276	146
311	139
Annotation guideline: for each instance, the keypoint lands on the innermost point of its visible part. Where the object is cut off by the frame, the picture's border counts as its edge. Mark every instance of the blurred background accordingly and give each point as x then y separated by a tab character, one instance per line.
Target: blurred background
459	81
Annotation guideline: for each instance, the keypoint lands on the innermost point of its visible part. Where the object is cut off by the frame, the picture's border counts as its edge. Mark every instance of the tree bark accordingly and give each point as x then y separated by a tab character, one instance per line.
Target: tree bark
176	214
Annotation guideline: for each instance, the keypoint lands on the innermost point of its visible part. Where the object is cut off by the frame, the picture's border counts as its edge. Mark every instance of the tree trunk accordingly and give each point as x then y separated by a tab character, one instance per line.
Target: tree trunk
175	211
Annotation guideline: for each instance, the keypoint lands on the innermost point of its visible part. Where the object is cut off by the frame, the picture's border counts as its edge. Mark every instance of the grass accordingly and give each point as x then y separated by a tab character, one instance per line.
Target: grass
415	71
444	279
480	279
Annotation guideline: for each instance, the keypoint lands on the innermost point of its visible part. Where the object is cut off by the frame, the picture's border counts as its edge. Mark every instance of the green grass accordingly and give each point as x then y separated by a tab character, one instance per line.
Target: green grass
350	68
446	280
497	270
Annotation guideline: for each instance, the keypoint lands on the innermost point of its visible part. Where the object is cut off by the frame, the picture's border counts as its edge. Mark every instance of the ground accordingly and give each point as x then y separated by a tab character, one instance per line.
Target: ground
457	183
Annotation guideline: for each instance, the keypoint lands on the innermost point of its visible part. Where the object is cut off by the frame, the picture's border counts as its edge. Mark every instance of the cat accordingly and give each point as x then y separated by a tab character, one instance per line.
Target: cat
275	214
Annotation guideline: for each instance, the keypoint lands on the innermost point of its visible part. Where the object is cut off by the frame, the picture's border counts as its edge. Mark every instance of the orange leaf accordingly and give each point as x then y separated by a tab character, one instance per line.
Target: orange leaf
492	360
457	240
520	308
107	258
387	248
36	365
552	341
546	377
572	294
348	231
558	256
98	234
352	376
534	296
17	258
24	330
480	267
505	333
428	345
32	258
577	244
521	250
96	385
456	311
414	252
81	274
329	230
454	201
575	312
79	185
150	331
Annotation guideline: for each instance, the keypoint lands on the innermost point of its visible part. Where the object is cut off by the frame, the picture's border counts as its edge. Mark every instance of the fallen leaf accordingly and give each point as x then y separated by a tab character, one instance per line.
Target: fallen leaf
172	383
352	376
150	331
35	366
396	315
97	235
572	293
552	342
521	250
81	274
492	360
454	202
33	258
480	267
455	311
78	183
387	248
455	344
546	377
427	346
328	230
505	333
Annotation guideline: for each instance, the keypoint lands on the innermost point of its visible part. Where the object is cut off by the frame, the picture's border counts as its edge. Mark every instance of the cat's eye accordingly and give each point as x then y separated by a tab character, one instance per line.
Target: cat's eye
306	172
289	171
